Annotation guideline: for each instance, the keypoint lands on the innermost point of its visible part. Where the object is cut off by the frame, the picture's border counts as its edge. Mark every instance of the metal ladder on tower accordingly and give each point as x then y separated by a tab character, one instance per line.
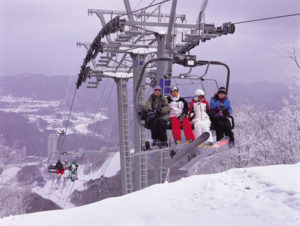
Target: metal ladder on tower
124	141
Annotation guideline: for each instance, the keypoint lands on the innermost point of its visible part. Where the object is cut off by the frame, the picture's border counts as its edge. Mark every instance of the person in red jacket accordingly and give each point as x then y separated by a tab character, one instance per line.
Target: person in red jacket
179	117
198	113
59	168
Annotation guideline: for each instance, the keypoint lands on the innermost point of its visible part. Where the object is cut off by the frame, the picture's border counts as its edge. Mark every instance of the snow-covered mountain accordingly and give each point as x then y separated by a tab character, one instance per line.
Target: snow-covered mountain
32	107
260	196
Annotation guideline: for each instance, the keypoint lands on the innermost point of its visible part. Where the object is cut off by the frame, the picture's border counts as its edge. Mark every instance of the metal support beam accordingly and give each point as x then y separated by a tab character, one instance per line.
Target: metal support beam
164	68
163	75
140	163
128	10
137	14
125	157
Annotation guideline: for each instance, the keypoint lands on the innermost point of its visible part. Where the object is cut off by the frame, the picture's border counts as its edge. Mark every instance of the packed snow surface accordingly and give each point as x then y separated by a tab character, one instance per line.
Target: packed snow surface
257	196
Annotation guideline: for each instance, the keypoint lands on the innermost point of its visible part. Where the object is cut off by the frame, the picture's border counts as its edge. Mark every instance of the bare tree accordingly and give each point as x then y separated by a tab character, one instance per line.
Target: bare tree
290	51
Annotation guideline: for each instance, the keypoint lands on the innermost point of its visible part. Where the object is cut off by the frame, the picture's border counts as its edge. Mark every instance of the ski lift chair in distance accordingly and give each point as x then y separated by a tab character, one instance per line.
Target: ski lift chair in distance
71	168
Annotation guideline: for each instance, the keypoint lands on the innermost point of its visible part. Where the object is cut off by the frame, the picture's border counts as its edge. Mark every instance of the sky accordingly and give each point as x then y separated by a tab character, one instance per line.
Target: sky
39	36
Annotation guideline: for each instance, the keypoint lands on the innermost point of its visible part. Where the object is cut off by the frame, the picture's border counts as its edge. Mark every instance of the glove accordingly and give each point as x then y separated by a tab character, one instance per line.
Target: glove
182	117
151	114
158	111
225	112
213	112
192	115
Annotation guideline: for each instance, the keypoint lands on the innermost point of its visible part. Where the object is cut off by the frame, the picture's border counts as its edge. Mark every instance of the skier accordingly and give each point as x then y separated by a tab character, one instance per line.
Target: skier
59	168
198	113
73	171
220	108
157	110
179	117
67	171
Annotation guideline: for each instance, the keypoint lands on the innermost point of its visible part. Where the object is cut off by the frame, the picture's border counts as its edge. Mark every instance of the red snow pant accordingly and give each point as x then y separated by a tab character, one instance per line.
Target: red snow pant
60	171
186	126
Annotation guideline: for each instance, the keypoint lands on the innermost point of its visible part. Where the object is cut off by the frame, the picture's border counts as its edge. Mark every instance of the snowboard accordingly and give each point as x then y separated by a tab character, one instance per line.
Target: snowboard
182	150
201	153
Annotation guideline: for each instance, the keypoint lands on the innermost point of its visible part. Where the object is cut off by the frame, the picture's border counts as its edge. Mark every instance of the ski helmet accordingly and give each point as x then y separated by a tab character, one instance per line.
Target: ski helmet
199	92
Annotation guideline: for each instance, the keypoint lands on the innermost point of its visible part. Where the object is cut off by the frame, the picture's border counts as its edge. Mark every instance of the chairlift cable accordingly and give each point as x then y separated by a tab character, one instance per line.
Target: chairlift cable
267	18
75	91
107	164
63	199
70	191
98	107
68	195
138	4
51	187
95	130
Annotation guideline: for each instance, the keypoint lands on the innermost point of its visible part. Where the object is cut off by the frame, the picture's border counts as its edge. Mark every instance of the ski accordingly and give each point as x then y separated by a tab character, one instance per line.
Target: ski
182	150
219	143
200	154
204	152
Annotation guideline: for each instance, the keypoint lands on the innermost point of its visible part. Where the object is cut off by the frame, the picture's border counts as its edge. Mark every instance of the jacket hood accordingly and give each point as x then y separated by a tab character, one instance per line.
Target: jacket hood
175	98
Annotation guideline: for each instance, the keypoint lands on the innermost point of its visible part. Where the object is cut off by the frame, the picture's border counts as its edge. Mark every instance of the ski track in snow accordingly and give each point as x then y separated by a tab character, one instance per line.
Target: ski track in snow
260	196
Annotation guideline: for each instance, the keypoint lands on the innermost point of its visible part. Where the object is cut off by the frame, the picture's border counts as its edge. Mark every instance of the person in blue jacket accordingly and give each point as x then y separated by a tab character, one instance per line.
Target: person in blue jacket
219	109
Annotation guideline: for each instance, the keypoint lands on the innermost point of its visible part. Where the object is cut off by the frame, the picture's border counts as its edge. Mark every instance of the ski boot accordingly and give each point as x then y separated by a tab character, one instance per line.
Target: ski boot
155	143
172	153
178	142
189	141
200	145
163	144
208	144
147	146
231	144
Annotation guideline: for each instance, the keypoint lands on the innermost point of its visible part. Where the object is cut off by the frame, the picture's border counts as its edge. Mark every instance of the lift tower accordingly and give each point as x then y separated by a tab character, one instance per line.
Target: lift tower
142	44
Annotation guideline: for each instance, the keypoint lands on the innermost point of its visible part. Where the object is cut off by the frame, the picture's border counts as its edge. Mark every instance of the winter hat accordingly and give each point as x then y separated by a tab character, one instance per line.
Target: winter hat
199	92
222	90
174	88
157	87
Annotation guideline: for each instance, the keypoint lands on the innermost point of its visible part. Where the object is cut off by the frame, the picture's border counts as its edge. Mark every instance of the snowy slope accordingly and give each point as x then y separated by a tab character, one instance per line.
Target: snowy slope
254	196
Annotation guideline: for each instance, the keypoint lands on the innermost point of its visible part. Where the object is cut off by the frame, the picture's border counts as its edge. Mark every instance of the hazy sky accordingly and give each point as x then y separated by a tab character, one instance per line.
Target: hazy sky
39	36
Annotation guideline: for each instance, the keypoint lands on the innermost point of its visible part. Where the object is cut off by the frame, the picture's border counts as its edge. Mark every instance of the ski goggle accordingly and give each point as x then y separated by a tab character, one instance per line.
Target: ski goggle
201	96
157	90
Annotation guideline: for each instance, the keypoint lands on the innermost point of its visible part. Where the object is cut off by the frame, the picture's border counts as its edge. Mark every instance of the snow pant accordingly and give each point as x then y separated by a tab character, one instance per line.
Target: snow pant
158	129
201	126
222	126
67	173
186	126
60	171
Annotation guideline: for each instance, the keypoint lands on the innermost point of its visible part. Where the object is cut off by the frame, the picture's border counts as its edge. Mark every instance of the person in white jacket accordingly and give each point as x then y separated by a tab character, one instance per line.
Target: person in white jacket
198	113
179	117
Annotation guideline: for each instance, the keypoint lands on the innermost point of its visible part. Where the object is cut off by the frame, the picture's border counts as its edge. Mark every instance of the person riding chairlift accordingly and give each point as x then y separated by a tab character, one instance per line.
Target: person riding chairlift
198	113
59	168
179	117
157	108
220	108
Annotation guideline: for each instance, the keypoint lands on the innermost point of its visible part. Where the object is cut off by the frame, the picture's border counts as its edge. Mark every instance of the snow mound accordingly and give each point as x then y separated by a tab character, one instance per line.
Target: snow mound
253	196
